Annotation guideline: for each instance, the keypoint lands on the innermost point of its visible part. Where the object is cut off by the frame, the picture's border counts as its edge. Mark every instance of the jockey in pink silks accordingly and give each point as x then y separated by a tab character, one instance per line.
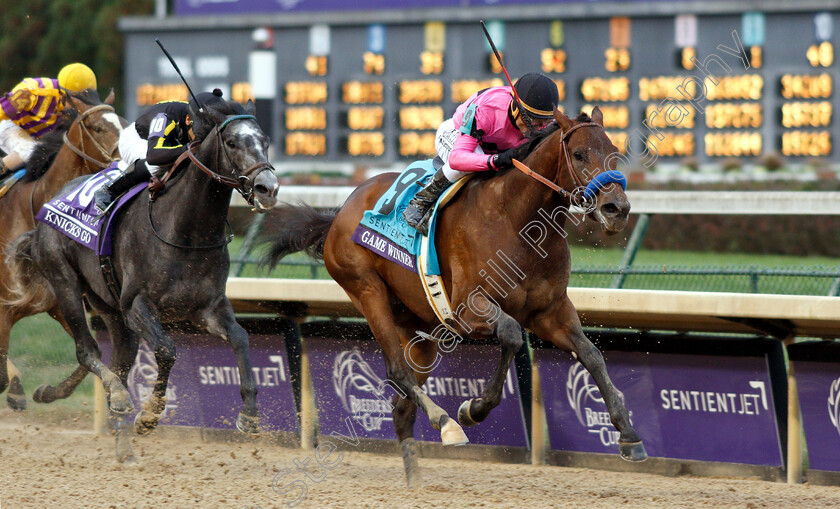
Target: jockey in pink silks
482	135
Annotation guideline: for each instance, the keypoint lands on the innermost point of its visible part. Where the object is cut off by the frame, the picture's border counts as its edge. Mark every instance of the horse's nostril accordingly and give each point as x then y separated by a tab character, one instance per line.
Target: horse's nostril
609	209
261	189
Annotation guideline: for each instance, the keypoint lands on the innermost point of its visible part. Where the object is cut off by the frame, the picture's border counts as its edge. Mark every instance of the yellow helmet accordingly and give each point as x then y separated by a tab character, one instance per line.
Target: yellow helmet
76	77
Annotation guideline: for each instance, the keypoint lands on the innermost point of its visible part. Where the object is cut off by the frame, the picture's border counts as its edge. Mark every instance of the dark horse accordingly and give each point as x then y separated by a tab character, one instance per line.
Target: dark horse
489	217
171	262
85	142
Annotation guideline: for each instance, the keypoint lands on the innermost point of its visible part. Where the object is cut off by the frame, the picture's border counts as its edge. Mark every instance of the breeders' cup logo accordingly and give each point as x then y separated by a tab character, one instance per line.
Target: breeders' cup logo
352	374
586	400
834	404
142	378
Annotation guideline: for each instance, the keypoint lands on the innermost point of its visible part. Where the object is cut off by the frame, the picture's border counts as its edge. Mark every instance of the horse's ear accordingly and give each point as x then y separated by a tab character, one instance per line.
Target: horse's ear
251	108
563	121
597	116
214	116
111	97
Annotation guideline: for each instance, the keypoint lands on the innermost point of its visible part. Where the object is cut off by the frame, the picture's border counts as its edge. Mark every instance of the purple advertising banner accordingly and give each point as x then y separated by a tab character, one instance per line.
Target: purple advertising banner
819	398
204	384
692	407
208	7
348	374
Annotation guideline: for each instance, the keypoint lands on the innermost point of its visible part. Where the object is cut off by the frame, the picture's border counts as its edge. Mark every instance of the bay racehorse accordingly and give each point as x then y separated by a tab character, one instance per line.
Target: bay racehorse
503	215
85	143
170	260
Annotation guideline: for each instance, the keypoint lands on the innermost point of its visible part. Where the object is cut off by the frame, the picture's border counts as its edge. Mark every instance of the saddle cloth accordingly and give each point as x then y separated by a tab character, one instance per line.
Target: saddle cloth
384	231
75	215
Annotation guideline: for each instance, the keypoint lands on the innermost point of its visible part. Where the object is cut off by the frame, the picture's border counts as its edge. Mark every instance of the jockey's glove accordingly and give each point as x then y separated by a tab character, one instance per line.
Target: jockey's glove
504	160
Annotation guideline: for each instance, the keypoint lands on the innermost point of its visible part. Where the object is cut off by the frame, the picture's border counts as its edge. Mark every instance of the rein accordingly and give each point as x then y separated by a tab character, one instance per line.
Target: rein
223	243
590	188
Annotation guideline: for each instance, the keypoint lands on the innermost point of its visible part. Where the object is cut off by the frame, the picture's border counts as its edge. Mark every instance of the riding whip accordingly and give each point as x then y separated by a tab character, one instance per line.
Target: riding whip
525	116
172	61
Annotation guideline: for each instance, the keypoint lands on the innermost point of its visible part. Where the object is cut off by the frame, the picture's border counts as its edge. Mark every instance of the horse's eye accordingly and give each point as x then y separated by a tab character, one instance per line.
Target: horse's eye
578	156
98	130
231	144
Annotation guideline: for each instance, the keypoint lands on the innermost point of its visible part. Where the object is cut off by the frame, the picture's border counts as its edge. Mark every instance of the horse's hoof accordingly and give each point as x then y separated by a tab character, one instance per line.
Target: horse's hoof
452	434
16	402
248	424
464	416
121	402
145	423
408	447
44	394
15	398
632	451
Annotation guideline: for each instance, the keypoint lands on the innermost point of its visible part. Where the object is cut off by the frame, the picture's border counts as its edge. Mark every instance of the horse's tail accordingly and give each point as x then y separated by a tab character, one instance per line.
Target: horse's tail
27	288
303	228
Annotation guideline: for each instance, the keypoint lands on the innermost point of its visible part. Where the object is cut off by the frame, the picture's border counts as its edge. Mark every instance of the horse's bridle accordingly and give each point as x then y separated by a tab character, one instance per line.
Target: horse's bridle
85	131
241	180
564	149
238	183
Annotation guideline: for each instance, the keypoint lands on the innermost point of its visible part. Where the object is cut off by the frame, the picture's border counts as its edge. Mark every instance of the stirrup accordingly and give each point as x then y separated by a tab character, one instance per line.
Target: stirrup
423	226
105	204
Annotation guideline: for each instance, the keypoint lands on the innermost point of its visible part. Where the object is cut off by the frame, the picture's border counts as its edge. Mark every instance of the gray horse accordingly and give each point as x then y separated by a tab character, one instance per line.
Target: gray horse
171	261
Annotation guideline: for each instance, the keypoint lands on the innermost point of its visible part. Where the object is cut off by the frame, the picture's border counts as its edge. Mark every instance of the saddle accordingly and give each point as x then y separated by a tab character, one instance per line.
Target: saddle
384	231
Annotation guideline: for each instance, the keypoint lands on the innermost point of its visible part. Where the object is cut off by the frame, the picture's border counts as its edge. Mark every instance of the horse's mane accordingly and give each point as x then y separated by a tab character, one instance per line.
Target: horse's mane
48	145
202	126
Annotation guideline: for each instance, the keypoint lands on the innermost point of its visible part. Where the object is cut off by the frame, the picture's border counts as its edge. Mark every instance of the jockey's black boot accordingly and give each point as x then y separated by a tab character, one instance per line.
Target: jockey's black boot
135	174
419	209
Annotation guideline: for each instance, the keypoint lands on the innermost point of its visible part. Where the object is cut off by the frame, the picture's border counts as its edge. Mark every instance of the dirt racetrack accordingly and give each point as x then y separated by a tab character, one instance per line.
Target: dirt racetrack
66	466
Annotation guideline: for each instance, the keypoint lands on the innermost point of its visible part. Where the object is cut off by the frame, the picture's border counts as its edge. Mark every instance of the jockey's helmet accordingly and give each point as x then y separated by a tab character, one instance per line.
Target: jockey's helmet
76	77
538	94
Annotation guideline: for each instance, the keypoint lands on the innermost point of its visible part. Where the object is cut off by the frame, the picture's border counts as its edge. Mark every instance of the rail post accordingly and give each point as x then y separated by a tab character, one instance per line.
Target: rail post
100	408
537	419
307	401
794	430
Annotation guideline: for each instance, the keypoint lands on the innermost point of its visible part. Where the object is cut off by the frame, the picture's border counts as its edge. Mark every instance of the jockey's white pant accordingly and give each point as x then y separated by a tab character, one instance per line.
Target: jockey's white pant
133	147
15	139
444	142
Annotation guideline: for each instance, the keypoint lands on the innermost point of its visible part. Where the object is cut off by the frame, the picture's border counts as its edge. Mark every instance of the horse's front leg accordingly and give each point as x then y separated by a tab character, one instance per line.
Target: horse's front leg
143	319
561	326
221	321
509	334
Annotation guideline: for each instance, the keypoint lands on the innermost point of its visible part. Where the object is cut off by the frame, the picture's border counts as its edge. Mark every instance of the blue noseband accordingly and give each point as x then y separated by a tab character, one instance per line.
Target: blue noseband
601	180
